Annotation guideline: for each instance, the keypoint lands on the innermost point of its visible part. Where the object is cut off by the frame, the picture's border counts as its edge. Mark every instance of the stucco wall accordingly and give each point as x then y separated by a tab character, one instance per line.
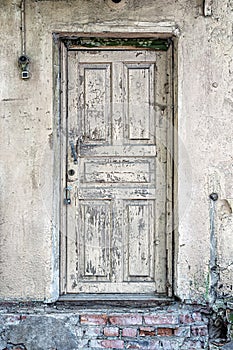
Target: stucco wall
205	74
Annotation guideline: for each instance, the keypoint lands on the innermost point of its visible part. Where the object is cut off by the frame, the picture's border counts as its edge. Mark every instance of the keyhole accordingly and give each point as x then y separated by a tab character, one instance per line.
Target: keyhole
71	172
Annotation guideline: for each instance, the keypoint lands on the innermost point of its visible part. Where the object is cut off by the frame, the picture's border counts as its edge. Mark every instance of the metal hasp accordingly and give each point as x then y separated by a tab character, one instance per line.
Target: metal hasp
73	152
67	199
207	8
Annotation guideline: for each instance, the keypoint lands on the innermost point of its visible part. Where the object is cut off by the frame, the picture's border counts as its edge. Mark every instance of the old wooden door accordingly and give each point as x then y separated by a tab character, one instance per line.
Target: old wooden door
116	171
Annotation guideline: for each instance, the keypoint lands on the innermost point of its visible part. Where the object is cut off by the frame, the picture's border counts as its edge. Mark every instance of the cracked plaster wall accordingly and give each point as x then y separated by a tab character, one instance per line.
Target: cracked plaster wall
205	106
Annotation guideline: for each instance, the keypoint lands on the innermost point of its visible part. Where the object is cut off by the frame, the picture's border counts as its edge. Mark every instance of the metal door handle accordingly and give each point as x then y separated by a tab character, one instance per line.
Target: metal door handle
73	152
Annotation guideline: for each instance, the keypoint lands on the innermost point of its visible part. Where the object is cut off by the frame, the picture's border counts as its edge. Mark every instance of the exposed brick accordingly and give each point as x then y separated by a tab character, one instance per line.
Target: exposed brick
146	331
92	332
199	330
183	331
190	318
107	344
126	320
143	344
165	331
94	319
162	319
129	332
111	331
113	344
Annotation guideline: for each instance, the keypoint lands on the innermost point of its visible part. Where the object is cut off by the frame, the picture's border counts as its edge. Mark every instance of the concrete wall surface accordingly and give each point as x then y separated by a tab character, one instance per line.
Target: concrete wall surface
204	243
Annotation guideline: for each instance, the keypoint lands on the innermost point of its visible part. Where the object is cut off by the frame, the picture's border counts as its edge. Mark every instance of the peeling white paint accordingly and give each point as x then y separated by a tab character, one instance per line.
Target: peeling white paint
28	249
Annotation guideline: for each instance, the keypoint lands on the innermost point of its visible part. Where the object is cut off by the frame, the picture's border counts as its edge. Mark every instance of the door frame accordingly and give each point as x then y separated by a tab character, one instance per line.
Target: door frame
60	146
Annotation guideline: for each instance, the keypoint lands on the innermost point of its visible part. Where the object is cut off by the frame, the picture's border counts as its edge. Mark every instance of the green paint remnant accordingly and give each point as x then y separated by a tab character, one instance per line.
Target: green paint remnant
231	317
146	43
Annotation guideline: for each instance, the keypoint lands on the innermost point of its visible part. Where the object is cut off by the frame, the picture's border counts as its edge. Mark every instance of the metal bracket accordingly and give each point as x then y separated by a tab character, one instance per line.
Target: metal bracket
67	199
207	8
73	152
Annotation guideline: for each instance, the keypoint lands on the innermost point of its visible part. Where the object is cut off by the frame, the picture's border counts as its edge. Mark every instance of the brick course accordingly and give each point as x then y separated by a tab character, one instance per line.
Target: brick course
126	320
146	331
159	329
93	319
165	332
107	344
93	331
129	332
158	319
111	331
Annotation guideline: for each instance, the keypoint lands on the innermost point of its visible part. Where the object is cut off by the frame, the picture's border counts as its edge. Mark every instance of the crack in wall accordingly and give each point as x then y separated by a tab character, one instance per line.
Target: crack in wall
214	269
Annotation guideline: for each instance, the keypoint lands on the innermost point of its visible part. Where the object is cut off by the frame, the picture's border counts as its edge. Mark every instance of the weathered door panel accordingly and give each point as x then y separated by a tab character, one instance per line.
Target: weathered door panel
117	124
